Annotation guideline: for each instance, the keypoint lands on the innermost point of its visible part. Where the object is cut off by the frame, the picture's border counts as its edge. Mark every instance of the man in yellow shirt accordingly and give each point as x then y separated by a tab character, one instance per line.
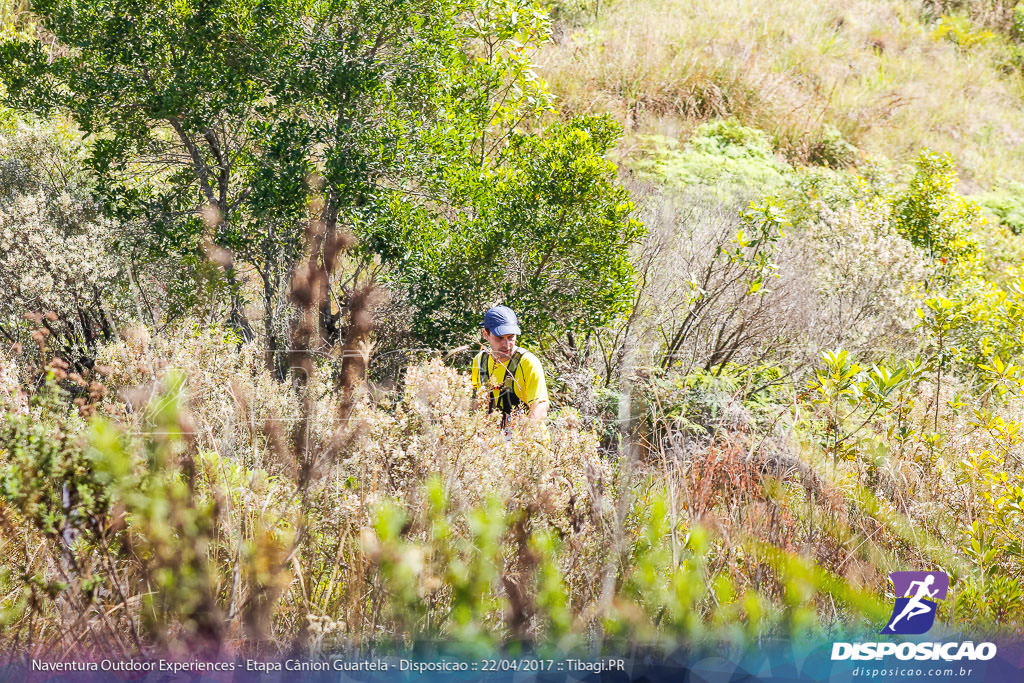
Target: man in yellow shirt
513	374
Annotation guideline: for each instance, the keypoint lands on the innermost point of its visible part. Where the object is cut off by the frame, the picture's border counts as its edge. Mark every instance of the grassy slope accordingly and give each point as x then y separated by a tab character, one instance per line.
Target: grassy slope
888	81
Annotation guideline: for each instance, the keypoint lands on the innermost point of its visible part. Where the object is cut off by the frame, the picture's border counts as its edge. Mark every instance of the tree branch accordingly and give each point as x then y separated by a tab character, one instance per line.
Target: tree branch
201	169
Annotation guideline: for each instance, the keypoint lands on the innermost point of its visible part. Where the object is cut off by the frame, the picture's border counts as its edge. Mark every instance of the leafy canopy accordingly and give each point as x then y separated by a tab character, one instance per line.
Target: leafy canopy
548	231
208	118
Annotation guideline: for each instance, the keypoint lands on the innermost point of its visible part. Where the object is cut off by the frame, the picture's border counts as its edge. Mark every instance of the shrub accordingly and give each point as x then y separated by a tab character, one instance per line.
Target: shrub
865	276
961	31
46	473
932	215
60	253
1006	204
550	221
722	154
831	149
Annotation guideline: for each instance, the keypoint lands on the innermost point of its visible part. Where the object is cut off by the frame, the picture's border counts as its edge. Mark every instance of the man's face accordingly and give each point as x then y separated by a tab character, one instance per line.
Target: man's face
501	347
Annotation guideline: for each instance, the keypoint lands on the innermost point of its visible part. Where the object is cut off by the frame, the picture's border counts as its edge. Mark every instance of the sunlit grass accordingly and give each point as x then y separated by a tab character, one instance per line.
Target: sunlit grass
873	70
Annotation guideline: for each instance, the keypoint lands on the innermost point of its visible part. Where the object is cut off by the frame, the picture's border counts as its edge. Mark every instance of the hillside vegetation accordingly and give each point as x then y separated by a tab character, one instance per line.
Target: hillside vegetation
768	255
888	77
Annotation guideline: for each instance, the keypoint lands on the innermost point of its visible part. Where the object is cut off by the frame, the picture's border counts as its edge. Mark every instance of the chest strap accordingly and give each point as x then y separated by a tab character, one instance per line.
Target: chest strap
507	400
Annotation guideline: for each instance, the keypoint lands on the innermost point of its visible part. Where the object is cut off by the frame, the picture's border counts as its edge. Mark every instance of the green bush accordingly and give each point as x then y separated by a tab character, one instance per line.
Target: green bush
548	233
831	149
722	154
1006	204
932	215
46	472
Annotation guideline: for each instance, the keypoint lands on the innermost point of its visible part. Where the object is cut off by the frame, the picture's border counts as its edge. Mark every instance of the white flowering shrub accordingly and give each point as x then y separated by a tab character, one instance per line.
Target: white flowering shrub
49	267
12	395
230	393
867	277
435	430
60	254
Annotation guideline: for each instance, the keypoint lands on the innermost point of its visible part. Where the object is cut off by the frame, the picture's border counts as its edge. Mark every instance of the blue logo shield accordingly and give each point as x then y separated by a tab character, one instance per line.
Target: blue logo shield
917	596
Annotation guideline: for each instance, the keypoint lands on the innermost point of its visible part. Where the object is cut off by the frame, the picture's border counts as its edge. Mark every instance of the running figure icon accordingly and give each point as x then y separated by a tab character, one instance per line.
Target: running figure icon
916	601
915	606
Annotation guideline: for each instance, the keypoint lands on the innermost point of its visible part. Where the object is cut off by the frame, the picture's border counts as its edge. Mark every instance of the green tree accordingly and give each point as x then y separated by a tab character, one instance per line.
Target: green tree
208	117
931	215
534	219
545	227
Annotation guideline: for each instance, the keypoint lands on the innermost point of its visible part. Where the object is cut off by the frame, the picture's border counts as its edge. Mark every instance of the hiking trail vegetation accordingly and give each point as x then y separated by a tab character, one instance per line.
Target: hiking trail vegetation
770	258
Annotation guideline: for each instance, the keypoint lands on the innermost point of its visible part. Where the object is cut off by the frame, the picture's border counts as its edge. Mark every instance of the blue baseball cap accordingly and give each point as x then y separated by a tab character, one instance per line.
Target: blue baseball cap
500	320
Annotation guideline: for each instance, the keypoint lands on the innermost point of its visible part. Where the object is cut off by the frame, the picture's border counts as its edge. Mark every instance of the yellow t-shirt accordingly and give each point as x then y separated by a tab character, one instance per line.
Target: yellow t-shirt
528	383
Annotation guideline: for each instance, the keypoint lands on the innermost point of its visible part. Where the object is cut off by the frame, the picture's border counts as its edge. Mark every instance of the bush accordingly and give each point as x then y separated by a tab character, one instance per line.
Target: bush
547	232
932	215
60	253
722	155
865	275
46	473
1006	204
831	149
959	30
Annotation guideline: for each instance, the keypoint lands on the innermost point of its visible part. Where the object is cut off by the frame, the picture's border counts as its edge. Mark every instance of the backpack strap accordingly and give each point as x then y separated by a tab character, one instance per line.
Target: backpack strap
507	399
510	372
485	372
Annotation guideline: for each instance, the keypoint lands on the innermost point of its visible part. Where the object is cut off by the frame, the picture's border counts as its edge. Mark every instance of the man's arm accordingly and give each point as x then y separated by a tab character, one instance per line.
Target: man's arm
534	390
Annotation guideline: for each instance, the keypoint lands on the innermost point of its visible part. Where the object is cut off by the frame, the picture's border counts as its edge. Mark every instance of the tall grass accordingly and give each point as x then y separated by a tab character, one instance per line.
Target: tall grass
429	525
874	71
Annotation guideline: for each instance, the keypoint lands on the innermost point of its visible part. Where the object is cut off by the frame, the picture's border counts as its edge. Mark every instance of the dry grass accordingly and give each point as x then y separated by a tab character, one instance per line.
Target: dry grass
872	70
